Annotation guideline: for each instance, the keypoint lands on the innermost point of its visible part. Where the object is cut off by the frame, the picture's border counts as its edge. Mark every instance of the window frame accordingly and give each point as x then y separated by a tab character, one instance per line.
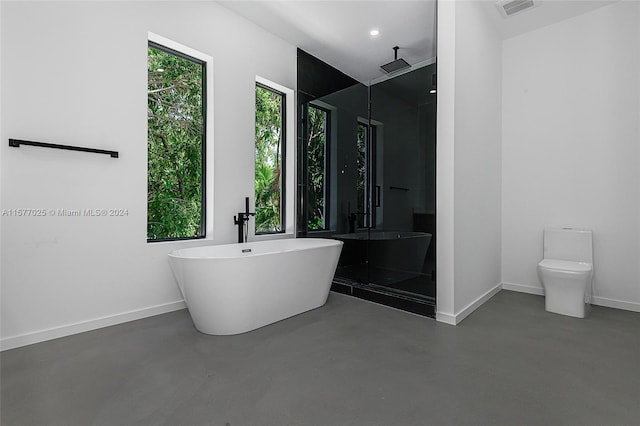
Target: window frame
288	166
283	159
327	167
206	61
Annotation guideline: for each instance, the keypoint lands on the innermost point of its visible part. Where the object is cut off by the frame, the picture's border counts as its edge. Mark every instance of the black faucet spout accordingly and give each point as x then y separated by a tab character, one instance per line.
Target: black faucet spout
241	219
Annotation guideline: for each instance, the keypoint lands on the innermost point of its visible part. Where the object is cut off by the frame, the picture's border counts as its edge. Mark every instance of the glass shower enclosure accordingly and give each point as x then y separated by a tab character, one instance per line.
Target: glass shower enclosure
367	178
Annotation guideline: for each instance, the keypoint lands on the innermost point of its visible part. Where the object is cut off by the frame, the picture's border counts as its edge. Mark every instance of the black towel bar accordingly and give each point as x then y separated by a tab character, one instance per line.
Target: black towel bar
17	142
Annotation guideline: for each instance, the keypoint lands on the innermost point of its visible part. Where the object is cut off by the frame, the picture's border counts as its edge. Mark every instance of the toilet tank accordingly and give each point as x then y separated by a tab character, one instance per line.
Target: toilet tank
568	244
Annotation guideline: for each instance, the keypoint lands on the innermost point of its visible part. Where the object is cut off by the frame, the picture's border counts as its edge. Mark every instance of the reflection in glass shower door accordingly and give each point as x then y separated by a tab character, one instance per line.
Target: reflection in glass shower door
397	244
353	266
366	169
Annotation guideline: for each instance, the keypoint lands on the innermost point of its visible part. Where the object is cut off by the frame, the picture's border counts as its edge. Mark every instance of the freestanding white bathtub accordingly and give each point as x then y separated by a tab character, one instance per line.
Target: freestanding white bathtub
235	288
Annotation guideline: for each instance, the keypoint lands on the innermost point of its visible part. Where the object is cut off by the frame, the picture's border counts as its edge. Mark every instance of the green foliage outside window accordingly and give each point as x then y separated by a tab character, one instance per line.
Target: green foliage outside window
175	136
316	150
269	158
361	164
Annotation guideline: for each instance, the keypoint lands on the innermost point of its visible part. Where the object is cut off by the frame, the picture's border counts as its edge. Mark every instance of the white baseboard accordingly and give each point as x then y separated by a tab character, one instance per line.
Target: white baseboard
595	300
82	326
477	303
446	318
617	304
523	288
467	310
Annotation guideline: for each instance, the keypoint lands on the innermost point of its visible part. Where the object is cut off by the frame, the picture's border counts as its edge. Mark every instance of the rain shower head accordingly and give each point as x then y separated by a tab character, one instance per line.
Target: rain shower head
396	64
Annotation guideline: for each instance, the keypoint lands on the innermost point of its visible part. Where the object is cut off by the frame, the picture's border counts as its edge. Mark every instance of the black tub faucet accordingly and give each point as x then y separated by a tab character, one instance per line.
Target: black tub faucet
353	221
242	220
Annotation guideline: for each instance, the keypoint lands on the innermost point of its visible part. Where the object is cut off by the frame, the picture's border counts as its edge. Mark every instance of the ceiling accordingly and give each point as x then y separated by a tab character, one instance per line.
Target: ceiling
338	31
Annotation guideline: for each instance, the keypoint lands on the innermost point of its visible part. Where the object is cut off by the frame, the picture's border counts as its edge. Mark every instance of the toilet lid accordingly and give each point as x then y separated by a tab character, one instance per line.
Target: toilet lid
565	265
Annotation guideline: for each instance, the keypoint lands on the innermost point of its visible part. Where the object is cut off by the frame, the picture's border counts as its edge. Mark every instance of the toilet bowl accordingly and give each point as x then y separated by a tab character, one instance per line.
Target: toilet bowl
566	270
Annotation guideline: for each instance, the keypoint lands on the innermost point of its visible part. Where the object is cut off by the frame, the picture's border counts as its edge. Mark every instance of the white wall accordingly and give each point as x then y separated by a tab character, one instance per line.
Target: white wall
477	155
469	159
75	73
0	161
445	136
571	150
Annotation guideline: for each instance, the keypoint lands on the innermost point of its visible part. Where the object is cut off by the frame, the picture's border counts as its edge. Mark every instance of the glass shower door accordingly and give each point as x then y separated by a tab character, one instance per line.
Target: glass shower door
401	185
366	156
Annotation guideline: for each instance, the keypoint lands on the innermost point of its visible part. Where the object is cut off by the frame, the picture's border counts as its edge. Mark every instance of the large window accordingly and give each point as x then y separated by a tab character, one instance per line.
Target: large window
176	114
317	157
270	160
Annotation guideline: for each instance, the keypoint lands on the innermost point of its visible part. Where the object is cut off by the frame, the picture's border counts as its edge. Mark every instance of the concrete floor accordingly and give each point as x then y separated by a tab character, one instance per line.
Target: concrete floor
350	362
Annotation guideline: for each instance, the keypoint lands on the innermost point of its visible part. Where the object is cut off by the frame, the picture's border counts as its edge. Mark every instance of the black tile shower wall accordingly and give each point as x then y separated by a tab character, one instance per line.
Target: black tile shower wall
408	305
341	288
317	78
418	307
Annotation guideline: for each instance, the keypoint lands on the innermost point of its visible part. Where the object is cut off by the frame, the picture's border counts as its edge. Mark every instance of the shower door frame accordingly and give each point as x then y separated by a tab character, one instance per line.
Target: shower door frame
361	290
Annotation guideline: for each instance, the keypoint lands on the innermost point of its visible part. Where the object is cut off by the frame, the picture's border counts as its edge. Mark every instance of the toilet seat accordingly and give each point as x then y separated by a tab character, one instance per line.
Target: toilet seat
564	265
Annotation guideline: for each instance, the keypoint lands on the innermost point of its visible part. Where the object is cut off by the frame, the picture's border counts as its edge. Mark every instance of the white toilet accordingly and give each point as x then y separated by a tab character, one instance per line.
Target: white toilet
566	270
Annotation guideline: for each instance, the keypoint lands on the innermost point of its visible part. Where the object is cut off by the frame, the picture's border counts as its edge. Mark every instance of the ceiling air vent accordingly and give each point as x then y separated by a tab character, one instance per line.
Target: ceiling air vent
511	7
